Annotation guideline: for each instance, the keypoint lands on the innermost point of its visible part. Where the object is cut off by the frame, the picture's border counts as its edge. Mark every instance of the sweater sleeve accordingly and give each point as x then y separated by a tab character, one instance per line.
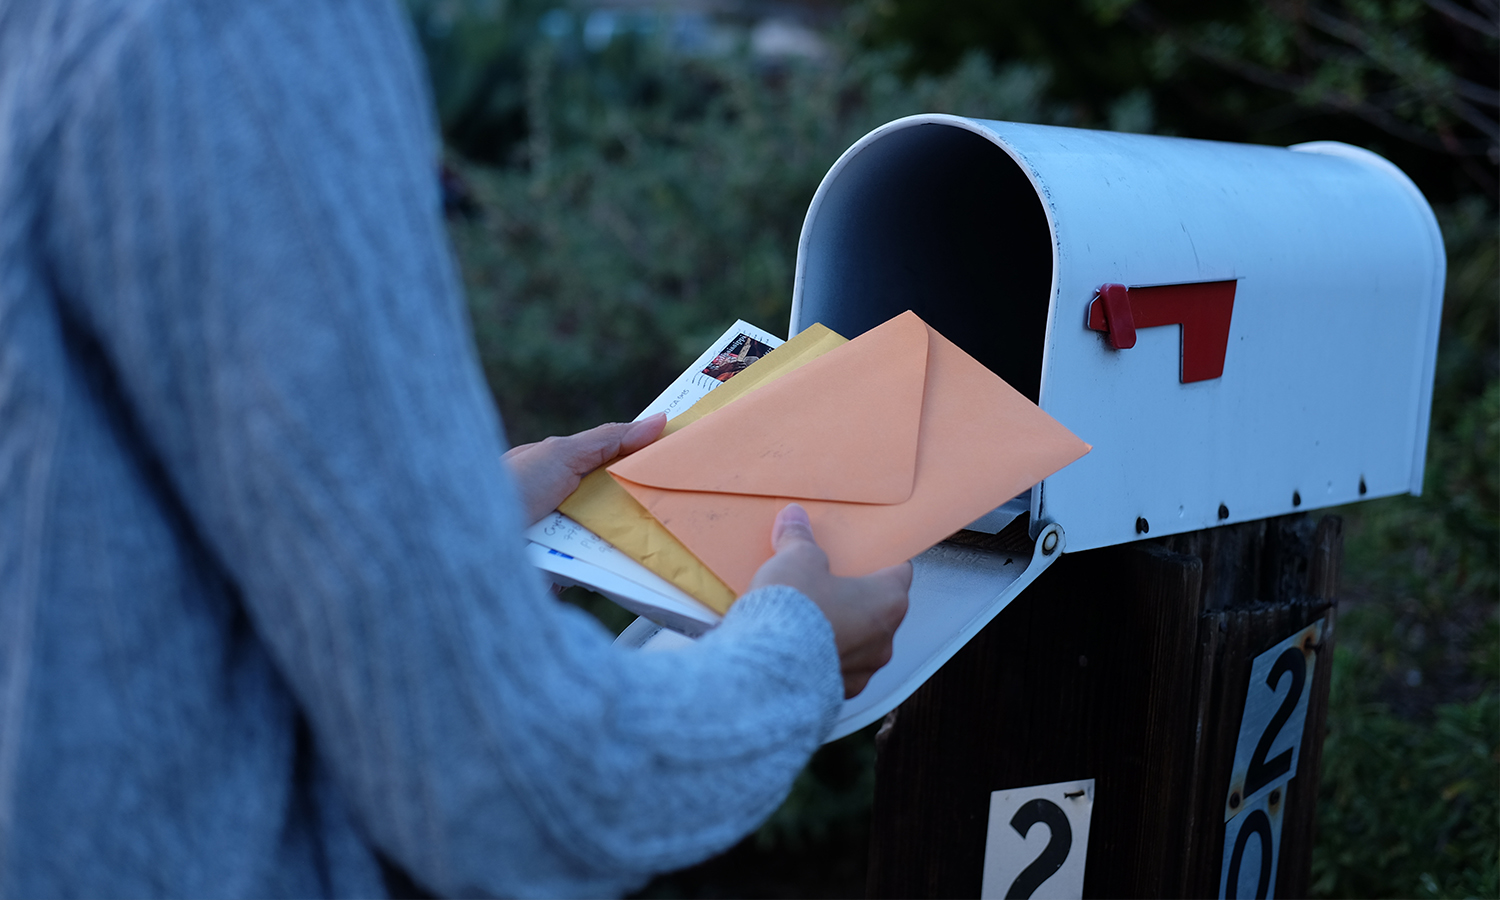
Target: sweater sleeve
246	221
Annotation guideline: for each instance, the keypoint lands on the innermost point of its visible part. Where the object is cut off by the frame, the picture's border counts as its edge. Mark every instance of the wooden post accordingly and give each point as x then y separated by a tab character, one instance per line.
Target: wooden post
1128	665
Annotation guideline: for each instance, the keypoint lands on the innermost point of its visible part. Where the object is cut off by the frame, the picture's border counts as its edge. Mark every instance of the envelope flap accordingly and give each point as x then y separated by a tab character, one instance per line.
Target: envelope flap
843	427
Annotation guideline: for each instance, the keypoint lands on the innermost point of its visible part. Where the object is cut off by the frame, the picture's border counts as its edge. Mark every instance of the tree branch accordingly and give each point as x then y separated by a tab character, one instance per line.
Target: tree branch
1488	27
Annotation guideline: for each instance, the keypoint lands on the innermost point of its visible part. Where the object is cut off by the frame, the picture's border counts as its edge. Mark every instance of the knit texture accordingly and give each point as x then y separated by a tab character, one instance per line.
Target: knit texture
264	611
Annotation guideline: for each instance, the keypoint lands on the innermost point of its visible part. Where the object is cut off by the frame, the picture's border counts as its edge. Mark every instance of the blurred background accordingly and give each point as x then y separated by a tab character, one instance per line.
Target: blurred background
624	179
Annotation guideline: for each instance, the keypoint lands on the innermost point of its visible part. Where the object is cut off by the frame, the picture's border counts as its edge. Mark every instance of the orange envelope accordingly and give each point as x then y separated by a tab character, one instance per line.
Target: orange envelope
892	442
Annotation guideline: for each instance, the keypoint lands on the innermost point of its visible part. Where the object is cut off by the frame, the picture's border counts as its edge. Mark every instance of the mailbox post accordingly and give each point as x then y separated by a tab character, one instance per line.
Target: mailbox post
1244	334
1129	666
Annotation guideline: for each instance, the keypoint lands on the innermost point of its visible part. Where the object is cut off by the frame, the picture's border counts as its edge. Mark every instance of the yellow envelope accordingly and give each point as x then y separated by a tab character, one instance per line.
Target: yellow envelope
892	442
603	507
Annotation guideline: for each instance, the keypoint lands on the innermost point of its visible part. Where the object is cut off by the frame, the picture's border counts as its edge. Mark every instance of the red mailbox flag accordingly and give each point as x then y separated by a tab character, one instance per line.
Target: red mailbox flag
1203	310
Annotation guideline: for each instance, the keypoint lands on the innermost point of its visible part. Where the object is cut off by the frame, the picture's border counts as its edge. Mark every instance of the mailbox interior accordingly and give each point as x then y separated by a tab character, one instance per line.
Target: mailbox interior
941	221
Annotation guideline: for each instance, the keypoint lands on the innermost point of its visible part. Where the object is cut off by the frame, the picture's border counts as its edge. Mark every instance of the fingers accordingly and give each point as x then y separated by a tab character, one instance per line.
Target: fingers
854	683
588	450
900	573
792	524
883	603
639	434
864	612
869	656
899	578
548	471
517	450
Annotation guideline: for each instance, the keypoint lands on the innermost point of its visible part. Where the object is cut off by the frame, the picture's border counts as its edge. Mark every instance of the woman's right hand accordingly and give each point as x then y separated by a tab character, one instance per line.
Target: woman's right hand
864	612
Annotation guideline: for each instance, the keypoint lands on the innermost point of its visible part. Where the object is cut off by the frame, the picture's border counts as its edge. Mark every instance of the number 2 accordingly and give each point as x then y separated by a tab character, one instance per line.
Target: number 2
1052	856
1260	771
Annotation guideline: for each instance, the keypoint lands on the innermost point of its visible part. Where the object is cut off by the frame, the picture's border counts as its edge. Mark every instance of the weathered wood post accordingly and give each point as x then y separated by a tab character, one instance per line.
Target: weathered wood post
1128	665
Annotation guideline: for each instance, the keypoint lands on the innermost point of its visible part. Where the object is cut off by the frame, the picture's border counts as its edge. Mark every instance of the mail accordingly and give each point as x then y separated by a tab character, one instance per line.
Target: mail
892	442
603	507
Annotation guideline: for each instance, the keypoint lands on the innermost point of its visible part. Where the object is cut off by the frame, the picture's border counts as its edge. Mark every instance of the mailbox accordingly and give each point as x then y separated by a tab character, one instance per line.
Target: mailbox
1240	331
1323	261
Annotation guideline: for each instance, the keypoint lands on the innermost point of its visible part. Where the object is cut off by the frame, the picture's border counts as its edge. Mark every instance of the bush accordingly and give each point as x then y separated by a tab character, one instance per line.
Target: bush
660	200
1406	808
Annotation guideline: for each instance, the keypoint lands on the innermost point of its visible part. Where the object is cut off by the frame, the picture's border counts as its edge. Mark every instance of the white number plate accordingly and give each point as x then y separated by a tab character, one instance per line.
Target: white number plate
1037	841
1275	710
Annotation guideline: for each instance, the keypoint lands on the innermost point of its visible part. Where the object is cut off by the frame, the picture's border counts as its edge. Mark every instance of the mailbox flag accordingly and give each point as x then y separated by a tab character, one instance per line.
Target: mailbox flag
1203	310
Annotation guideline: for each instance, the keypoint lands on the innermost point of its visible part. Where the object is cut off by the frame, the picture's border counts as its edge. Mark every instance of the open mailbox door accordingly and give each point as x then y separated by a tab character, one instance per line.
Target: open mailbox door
1240	331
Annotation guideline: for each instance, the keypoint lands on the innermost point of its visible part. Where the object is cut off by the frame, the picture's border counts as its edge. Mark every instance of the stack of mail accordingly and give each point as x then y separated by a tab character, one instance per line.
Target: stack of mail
891	441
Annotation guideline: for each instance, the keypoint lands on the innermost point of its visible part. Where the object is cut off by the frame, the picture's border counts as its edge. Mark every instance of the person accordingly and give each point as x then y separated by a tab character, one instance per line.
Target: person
266	628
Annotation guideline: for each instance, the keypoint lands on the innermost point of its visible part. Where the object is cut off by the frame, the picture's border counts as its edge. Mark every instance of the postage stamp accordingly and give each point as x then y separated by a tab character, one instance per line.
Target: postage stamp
736	355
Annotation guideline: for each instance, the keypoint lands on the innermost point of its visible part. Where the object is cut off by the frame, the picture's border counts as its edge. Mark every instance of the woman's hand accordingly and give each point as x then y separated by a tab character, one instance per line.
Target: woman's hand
548	471
864	612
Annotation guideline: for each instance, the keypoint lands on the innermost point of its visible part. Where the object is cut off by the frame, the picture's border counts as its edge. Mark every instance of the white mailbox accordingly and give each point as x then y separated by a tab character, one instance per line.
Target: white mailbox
1288	367
1239	331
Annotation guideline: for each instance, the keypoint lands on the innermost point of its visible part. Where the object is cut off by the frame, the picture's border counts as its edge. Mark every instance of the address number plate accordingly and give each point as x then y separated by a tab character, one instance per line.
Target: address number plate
1270	741
1037	841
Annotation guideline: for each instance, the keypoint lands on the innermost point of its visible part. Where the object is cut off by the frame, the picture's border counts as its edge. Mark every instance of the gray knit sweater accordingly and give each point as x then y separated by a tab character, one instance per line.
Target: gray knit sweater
264	616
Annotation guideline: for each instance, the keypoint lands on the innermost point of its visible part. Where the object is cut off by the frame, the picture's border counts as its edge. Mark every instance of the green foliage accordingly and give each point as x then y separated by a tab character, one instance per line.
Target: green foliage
1414	80
833	794
1423	73
1407	809
662	199
476	52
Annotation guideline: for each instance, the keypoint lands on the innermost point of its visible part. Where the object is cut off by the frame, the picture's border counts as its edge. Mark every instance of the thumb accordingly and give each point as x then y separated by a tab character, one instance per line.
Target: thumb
792	524
638	434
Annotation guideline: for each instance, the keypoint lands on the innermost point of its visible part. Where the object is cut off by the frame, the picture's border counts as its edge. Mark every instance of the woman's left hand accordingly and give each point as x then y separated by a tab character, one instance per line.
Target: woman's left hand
548	471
